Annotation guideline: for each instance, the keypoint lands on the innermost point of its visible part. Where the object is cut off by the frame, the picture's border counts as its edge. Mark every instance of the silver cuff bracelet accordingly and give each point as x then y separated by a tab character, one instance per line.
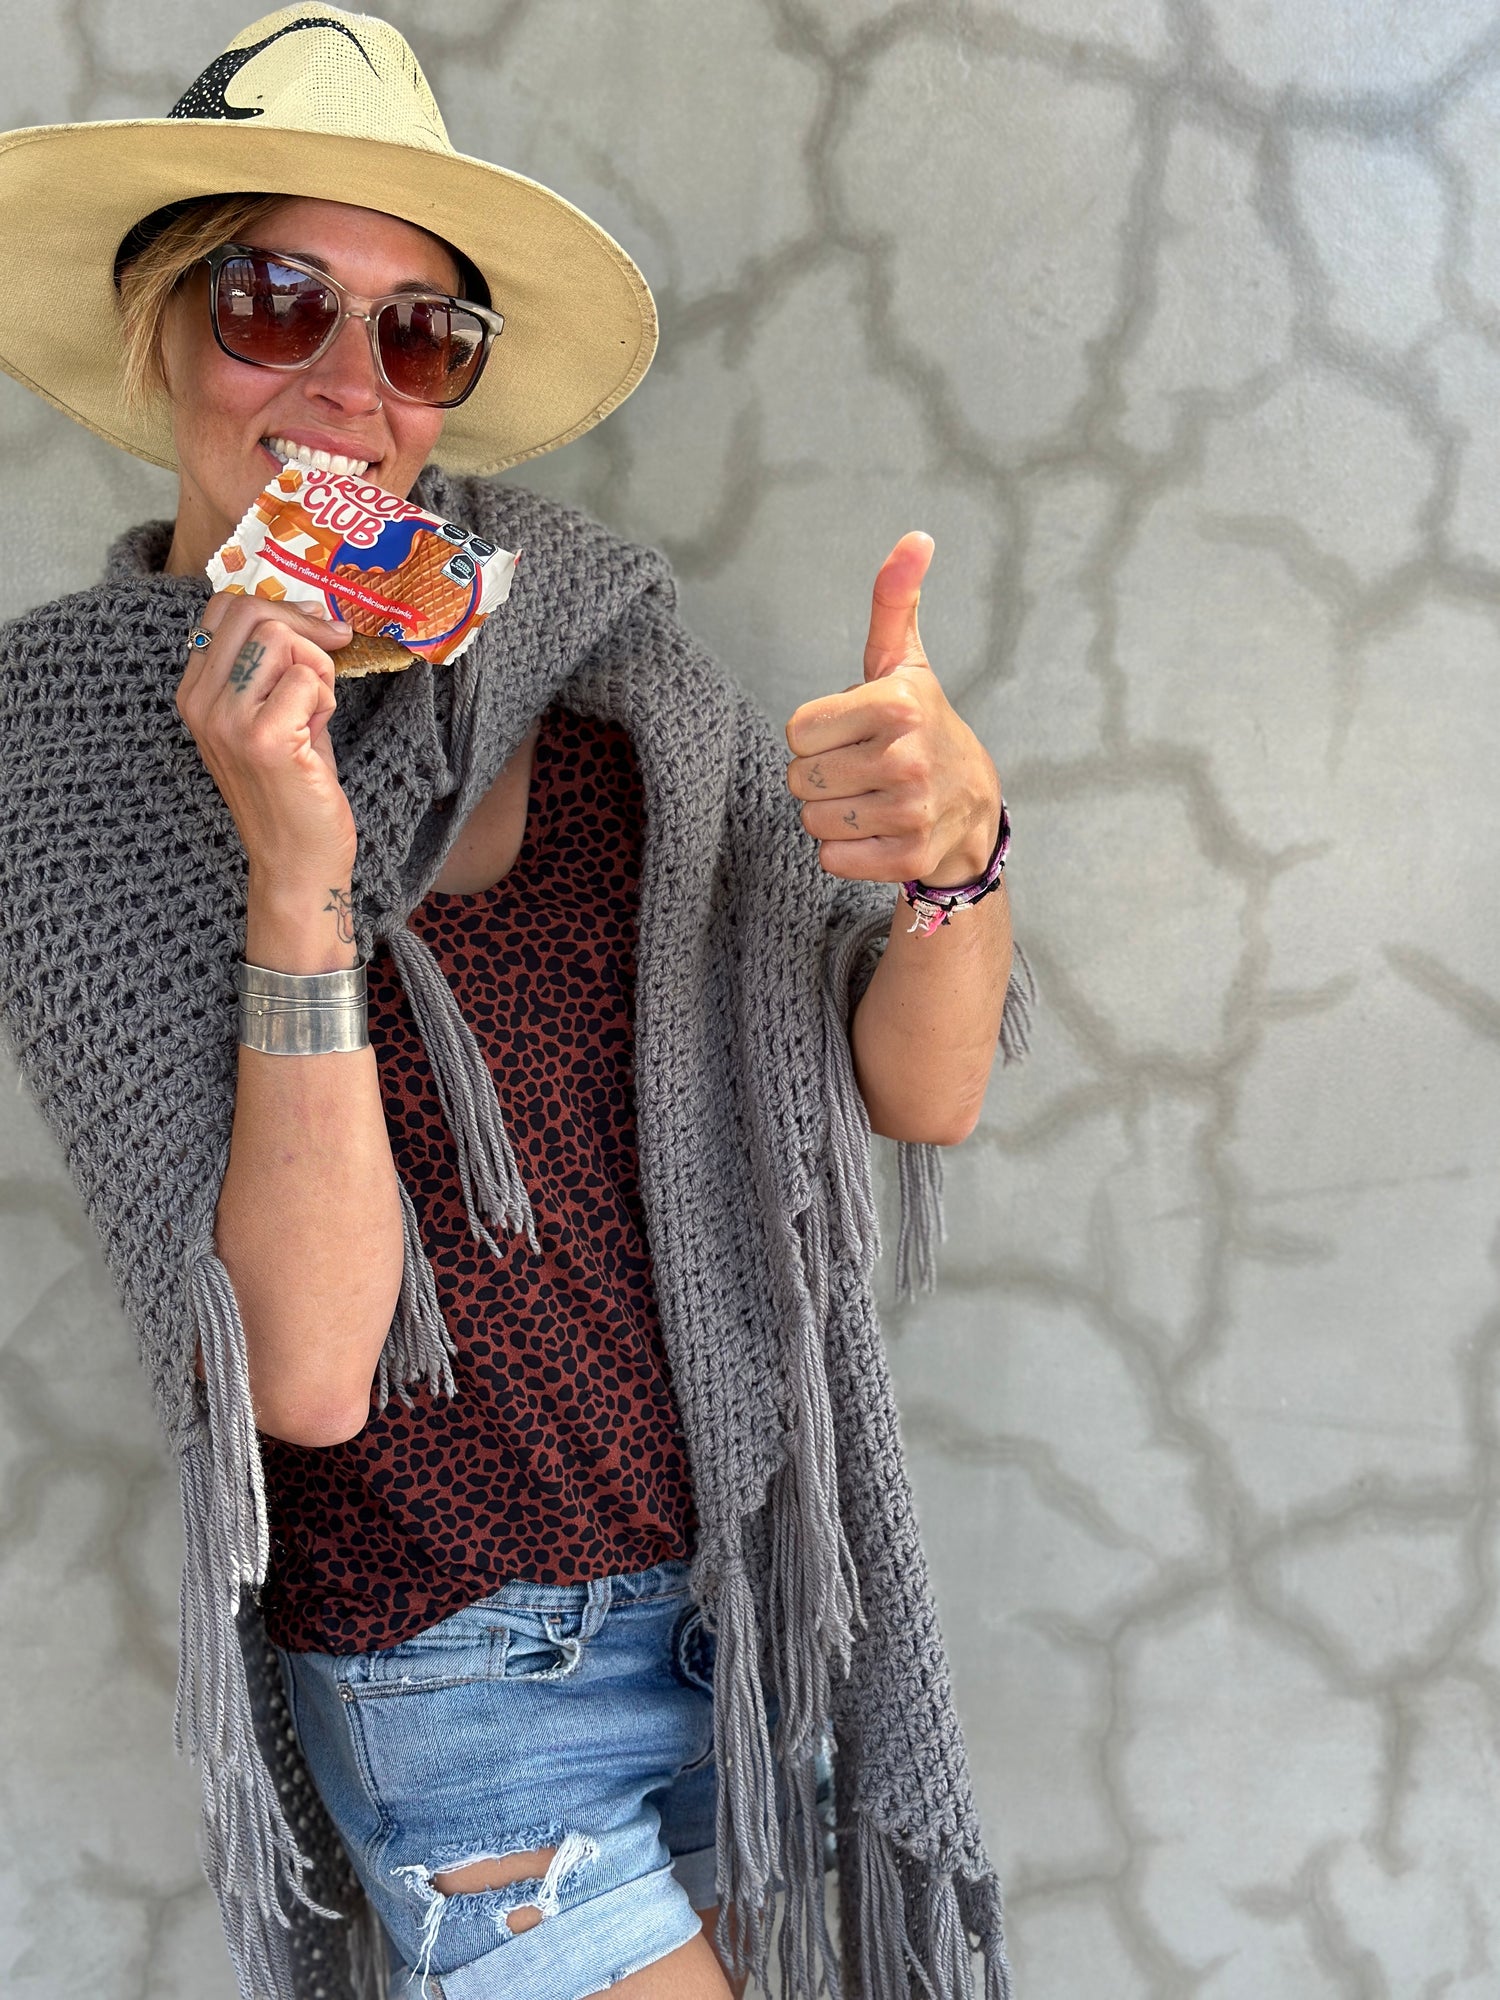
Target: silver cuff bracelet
302	1013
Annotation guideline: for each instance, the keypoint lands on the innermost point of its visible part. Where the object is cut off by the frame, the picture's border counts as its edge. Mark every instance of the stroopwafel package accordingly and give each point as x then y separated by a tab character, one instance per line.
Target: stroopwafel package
405	580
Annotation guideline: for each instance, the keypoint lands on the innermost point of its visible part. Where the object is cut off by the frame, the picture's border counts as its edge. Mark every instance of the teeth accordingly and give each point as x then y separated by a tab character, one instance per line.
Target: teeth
320	461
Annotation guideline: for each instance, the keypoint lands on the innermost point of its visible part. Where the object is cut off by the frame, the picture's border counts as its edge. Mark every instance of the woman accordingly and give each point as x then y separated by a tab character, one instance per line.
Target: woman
525	1383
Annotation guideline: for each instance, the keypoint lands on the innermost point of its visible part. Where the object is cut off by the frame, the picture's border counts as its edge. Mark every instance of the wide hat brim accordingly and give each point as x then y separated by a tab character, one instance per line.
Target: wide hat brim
580	322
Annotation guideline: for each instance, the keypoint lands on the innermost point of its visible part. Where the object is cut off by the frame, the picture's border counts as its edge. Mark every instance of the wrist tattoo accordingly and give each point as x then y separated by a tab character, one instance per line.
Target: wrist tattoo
246	661
341	903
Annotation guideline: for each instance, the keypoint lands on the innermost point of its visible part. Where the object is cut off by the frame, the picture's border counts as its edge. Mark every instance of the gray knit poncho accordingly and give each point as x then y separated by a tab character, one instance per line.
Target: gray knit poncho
122	903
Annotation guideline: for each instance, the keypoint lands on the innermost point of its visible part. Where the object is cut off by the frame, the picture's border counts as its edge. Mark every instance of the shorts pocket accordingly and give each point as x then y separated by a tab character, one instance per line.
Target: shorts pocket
480	1643
693	1651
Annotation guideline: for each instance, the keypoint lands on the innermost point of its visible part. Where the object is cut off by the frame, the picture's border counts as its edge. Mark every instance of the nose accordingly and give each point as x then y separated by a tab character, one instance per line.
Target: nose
345	377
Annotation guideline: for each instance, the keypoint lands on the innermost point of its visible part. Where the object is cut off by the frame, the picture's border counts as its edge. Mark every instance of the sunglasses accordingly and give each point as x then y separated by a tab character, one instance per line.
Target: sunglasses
277	312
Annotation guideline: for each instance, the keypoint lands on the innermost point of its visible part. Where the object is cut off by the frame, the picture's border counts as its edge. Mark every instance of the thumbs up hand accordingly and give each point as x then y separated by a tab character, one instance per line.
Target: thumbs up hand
895	784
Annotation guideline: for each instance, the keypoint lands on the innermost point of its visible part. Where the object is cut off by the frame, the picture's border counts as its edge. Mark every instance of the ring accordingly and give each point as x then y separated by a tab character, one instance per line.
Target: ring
198	639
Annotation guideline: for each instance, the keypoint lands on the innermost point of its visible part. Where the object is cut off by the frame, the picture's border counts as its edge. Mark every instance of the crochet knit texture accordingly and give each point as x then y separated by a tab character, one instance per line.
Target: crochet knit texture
122	902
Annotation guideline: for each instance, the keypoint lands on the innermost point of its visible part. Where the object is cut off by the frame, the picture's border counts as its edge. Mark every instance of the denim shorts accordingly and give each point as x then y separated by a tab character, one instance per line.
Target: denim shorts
578	1718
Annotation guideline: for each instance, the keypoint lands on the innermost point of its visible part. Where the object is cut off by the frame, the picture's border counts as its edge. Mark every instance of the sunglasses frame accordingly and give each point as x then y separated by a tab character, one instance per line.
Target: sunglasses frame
350	304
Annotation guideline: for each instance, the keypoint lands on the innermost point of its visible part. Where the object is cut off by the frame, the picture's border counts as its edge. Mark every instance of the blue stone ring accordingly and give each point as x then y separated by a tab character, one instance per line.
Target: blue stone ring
198	638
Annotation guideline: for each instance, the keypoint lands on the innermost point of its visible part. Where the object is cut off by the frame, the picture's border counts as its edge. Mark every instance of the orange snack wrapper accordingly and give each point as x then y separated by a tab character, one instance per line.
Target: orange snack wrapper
407	581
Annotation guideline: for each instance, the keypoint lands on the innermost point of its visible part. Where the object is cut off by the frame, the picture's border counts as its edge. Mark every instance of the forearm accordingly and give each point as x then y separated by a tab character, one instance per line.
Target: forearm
925	1033
309	1219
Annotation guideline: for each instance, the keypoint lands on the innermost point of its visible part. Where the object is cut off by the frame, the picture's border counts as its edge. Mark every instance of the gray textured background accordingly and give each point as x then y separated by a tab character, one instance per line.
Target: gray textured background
1177	322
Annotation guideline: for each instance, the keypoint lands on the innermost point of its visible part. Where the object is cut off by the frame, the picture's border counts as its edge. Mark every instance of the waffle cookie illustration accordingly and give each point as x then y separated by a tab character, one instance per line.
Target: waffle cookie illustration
425	582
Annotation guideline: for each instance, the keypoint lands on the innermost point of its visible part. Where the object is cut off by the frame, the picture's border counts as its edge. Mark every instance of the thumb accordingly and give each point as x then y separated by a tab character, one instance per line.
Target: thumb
894	640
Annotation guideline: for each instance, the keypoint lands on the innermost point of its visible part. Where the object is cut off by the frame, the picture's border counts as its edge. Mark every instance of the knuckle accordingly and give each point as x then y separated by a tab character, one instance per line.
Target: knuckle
906	764
905	706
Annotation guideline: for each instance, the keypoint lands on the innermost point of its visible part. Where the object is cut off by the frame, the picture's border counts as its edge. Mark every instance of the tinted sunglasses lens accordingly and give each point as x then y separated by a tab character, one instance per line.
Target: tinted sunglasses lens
271	313
431	350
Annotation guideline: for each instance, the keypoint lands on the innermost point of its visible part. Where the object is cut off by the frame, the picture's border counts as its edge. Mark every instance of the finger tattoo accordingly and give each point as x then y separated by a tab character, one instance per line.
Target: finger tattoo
341	902
246	661
815	777
852	819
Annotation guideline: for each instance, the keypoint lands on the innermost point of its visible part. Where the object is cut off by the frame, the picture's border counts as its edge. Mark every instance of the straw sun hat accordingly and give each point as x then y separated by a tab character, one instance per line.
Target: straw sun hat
314	101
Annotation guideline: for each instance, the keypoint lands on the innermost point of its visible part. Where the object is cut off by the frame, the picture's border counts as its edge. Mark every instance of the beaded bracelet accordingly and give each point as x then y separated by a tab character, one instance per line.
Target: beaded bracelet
935	907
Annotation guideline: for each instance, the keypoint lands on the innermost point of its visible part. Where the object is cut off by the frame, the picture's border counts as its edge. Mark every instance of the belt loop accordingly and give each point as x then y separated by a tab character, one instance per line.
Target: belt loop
596	1605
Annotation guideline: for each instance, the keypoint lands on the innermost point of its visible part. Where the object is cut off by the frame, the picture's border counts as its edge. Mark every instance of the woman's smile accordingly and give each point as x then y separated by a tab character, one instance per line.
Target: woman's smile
232	420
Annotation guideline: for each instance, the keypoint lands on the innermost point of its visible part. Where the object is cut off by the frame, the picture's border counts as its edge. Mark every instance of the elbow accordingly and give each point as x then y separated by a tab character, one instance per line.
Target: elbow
923	1109
926	1122
315	1425
956	1130
318	1408
926	1131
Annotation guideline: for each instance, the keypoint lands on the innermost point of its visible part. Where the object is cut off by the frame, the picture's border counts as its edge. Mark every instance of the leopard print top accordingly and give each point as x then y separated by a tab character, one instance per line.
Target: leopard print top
562	1457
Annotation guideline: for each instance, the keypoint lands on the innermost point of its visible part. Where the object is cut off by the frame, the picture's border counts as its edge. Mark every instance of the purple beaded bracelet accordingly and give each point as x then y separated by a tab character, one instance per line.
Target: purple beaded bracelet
934	907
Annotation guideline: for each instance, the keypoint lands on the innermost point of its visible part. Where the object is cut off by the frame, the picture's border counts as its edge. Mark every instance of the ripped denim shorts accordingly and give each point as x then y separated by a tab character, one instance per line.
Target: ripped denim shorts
576	1718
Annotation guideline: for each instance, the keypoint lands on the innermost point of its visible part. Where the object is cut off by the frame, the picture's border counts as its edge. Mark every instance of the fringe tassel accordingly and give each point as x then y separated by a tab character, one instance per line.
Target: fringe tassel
948	1965
247	1841
884	1956
747	1830
920	1168
214	1318
815	1605
806	1954
494	1194
996	1973
982	1912
419	1346
920	1171
1020	1004
919	1927
848	1121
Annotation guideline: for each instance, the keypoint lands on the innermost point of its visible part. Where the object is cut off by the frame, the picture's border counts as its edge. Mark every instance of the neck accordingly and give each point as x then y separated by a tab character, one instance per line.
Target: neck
198	530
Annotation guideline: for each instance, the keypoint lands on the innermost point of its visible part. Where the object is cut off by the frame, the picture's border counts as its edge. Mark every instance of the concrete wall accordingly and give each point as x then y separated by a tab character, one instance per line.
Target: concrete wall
1177	322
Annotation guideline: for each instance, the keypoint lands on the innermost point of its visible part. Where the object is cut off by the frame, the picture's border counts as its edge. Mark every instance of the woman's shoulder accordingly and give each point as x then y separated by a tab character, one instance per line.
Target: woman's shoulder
579	555
39	624
117	610
90	677
595	575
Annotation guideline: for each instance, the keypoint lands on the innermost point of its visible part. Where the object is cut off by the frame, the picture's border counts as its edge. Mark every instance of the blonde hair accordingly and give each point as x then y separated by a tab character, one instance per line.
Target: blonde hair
149	277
